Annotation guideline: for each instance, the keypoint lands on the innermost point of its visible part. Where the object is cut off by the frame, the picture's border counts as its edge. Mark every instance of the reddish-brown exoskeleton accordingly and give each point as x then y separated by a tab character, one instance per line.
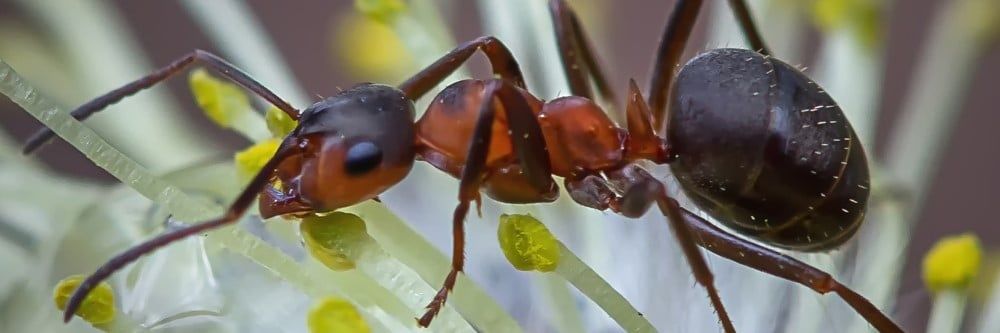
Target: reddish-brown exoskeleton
751	140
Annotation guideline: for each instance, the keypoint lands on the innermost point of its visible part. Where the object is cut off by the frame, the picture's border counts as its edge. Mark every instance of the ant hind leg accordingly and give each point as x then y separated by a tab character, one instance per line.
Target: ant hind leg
641	191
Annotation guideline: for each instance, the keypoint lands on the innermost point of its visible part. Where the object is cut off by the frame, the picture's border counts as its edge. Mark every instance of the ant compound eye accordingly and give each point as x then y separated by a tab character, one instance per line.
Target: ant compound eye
362	157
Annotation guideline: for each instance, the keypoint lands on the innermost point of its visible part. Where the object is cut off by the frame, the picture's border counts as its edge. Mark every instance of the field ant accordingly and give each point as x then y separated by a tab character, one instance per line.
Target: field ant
751	140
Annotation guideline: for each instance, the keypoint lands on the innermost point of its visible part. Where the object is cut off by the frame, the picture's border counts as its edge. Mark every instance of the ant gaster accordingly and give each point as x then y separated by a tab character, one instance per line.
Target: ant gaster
752	141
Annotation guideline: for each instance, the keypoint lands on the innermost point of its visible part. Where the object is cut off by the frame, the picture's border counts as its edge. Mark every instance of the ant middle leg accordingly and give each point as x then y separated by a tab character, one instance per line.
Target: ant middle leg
529	147
212	61
501	60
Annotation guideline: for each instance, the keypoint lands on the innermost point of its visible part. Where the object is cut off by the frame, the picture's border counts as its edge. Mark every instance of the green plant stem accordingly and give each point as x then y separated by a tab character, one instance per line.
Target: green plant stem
599	291
357	287
406	245
566	315
406	284
934	102
947	311
989	316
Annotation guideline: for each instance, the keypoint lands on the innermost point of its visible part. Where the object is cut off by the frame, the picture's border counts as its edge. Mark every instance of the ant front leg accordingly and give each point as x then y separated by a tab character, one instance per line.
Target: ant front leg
640	190
215	62
232	214
675	36
501	60
573	44
529	146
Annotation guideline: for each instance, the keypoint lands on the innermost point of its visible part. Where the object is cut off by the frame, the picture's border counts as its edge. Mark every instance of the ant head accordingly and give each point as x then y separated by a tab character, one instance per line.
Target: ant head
353	146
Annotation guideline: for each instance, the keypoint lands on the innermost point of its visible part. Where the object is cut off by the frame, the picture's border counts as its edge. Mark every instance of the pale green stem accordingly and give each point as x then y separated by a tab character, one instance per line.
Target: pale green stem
407	246
232	26
566	315
406	284
105	56
359	288
947	311
933	104
599	291
989	317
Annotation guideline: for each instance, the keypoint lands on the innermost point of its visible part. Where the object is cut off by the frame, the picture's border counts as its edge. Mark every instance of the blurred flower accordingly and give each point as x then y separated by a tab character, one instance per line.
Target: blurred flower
863	17
369	49
952	263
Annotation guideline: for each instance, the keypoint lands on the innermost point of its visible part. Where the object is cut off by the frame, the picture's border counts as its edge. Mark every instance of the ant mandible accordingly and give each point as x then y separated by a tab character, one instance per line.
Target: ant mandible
751	140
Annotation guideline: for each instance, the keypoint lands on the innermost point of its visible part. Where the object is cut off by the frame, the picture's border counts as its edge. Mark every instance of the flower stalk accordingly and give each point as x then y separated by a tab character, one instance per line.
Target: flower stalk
529	245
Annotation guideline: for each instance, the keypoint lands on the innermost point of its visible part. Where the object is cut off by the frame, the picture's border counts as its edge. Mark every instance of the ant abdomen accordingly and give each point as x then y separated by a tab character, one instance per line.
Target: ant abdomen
766	151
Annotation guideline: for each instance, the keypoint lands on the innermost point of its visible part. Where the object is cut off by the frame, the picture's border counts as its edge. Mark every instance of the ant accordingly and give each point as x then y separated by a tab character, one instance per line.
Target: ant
753	141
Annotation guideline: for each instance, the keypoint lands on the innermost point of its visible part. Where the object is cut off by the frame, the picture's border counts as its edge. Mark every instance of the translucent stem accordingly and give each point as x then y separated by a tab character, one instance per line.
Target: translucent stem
947	311
934	101
989	317
607	298
566	315
359	288
406	284
406	245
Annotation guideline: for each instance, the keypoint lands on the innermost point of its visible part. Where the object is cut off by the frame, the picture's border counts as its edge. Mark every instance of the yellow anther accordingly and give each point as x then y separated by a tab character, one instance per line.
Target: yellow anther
981	18
527	243
371	50
334	315
952	263
863	17
278	122
221	101
331	238
249	161
97	308
384	11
